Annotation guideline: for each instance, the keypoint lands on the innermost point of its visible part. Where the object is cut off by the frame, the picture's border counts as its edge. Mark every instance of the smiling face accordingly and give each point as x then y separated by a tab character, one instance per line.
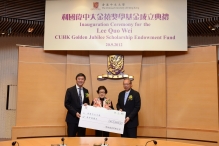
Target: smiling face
80	81
127	84
102	93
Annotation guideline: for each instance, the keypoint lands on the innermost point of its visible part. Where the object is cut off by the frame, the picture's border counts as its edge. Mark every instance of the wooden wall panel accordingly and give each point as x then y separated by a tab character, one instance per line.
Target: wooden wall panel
193	55
149	131
179	90
79	62
193	134
41	88
37	131
192	94
38	55
203	143
192	102
153	94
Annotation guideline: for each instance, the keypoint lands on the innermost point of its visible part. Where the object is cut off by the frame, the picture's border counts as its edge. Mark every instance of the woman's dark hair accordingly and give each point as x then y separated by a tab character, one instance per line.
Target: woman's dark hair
80	75
100	88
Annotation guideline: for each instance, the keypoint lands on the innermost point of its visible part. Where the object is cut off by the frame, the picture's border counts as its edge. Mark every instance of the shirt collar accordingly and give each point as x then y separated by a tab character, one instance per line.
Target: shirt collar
127	92
79	87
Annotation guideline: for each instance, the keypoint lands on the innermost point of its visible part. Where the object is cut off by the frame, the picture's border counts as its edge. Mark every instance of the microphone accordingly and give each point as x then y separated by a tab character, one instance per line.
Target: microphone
14	143
154	141
63	139
105	142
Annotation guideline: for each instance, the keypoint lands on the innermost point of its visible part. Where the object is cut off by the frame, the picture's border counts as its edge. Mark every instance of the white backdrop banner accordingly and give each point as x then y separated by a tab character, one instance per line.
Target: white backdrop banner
140	25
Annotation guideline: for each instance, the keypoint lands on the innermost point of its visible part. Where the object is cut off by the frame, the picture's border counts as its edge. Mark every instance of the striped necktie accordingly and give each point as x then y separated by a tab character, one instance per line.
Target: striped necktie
79	94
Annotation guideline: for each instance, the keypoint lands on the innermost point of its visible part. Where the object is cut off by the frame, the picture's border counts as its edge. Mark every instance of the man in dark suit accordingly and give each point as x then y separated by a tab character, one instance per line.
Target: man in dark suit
129	101
75	97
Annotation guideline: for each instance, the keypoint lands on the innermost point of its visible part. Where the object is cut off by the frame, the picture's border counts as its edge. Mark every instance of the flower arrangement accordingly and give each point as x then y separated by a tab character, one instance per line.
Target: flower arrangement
96	102
130	97
108	101
87	95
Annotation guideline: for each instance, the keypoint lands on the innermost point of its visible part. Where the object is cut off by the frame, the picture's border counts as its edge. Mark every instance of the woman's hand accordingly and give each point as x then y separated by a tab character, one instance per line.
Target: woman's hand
108	108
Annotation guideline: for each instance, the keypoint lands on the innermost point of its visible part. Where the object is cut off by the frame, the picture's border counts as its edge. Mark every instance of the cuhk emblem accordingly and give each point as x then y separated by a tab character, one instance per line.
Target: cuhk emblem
95	5
115	64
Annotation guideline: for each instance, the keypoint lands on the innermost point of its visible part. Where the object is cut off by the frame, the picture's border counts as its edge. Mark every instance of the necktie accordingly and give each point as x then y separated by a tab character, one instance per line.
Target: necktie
79	94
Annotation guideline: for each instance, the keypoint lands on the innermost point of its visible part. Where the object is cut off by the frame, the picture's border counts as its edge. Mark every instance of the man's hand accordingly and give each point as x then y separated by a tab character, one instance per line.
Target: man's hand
127	119
78	115
120	109
85	104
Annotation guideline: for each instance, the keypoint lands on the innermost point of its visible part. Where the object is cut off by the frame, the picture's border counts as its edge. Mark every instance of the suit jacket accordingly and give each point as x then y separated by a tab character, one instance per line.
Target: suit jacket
72	103
131	107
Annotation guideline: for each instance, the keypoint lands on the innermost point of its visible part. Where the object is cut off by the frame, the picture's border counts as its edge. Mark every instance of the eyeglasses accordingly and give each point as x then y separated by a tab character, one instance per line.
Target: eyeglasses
101	92
126	84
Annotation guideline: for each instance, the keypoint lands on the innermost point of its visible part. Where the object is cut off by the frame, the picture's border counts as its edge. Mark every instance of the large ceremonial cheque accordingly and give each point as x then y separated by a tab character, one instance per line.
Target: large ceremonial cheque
102	119
138	25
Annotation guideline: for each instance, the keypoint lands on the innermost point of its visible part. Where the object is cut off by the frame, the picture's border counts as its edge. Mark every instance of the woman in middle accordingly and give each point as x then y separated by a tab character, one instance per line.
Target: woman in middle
104	102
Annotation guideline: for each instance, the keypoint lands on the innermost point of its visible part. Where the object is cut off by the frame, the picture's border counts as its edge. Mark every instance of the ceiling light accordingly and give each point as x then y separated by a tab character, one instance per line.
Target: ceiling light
30	29
213	28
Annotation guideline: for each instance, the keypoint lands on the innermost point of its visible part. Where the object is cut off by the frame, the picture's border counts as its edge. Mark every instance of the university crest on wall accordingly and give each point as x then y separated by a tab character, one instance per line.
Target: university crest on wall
115	65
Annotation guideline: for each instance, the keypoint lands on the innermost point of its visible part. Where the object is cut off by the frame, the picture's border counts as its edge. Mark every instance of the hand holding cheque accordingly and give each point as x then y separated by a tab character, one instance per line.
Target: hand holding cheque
102	119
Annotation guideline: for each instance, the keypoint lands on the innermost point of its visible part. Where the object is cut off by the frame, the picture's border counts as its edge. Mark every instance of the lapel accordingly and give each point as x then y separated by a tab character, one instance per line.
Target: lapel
123	97
84	95
76	94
